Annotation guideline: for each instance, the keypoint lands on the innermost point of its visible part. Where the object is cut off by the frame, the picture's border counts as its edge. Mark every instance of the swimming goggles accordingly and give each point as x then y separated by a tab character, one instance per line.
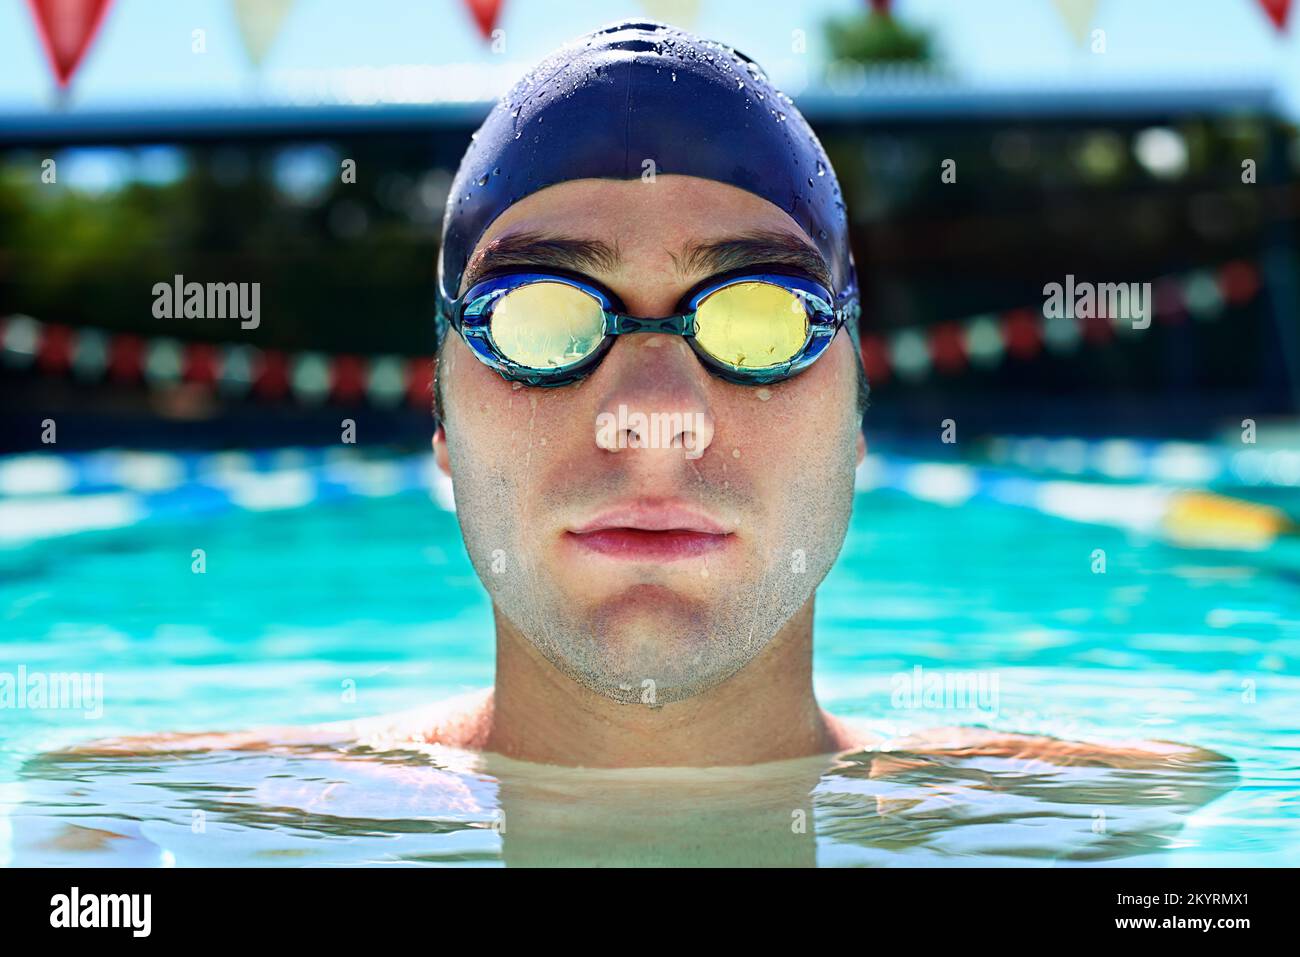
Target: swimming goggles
553	328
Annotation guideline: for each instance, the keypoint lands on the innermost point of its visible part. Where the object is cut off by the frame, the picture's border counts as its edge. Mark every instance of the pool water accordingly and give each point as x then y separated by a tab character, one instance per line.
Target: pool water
362	606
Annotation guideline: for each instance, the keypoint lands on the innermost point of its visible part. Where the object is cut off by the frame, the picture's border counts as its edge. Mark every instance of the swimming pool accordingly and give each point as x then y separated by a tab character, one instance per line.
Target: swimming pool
357	605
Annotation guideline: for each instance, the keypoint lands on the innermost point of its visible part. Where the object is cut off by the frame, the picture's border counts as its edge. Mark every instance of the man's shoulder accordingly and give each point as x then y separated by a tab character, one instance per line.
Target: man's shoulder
451	721
965	741
457	721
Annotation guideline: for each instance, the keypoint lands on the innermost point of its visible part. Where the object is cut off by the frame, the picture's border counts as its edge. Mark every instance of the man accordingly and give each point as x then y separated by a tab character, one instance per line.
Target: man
651	505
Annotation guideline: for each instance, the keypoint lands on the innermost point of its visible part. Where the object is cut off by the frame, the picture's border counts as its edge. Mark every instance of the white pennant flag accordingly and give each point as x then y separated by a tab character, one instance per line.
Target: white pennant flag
259	24
679	13
1077	15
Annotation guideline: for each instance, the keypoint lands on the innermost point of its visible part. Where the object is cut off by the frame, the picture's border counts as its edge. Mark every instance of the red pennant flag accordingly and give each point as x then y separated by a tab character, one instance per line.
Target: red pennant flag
67	28
1278	11
485	13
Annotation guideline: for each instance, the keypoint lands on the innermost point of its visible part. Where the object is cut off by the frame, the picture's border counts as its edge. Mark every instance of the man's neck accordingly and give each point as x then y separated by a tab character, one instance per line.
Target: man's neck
765	712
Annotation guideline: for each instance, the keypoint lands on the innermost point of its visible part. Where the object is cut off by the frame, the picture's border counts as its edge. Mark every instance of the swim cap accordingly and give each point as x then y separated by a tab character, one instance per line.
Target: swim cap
604	104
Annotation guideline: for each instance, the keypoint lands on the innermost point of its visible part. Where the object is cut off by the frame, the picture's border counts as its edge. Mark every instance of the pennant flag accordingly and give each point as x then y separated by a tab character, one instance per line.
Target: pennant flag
1077	15
1277	11
67	28
259	23
485	13
680	13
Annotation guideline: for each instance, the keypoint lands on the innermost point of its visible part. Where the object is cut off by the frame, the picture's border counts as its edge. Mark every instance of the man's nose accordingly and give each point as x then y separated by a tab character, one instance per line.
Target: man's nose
653	396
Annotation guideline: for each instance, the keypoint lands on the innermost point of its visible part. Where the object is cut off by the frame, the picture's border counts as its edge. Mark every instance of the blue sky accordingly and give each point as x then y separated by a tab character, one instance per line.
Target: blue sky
143	55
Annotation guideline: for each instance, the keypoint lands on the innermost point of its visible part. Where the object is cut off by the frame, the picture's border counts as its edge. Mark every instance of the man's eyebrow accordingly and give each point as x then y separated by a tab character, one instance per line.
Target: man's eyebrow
531	249
764	248
770	248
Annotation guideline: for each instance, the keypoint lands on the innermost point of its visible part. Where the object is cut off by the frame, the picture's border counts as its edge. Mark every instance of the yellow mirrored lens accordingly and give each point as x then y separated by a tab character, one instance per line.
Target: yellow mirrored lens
752	325
544	325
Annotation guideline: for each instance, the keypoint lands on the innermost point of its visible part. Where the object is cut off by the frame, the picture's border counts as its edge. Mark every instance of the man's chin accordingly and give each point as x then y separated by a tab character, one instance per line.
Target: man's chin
657	646
652	684
649	615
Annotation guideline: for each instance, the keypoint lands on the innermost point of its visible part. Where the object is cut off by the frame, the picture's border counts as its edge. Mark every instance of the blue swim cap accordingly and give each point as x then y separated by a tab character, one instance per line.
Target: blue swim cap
633	91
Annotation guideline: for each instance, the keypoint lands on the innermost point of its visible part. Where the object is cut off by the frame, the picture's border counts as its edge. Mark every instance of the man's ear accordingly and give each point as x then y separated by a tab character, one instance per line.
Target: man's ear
440	450
862	446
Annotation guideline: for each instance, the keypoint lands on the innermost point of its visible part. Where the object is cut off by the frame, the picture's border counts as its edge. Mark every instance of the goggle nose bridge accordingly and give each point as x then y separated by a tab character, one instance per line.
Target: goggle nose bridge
679	325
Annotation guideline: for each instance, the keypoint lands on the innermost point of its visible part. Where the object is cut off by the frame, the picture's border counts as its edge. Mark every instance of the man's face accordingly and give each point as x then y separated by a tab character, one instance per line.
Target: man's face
553	496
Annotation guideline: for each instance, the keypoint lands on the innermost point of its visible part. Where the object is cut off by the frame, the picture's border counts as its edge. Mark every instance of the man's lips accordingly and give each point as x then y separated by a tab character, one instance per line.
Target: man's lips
650	531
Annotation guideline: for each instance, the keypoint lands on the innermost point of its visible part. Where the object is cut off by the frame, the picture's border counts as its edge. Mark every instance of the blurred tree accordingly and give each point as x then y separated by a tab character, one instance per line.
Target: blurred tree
876	36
